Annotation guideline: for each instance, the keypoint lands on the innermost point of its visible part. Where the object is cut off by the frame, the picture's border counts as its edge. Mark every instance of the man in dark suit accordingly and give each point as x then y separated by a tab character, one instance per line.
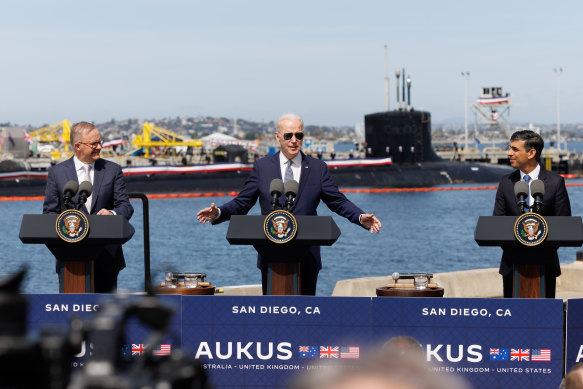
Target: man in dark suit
315	184
525	155
109	196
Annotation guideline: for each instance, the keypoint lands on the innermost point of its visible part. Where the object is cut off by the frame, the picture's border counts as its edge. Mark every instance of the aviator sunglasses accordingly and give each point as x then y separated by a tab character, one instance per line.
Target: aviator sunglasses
288	135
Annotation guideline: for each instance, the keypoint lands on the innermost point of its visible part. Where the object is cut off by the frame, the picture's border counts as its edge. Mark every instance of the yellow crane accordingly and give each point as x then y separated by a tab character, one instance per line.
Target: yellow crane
153	136
59	133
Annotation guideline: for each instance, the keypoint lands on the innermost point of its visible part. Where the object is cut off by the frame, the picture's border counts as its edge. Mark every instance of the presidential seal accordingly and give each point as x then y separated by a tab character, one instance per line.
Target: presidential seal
72	226
280	226
531	229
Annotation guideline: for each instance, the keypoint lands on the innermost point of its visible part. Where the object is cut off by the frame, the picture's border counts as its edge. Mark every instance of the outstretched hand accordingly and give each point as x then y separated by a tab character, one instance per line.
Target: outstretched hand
208	214
370	221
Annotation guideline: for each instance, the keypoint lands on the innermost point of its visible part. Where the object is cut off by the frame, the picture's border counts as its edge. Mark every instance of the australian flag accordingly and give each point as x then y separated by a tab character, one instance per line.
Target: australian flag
499	354
309	352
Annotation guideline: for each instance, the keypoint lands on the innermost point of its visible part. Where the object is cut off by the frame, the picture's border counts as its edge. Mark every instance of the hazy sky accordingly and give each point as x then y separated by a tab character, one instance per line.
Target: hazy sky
97	60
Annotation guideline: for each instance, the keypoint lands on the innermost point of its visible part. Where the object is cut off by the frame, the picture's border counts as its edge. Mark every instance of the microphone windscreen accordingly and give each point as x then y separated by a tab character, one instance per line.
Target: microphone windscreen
537	188
86	187
71	186
276	187
291	188
521	189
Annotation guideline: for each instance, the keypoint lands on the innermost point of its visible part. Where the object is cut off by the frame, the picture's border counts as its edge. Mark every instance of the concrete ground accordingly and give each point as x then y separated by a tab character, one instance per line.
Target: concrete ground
478	283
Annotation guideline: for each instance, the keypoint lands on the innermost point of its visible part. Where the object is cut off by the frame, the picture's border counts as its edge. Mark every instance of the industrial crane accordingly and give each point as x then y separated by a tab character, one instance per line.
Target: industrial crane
54	134
153	136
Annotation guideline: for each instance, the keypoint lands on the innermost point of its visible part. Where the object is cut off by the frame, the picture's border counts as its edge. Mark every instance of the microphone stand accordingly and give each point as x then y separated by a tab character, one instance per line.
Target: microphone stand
289	202
275	197
537	206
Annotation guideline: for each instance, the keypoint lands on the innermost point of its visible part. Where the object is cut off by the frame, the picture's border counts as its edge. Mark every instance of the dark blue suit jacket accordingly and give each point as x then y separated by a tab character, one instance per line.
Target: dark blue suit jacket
315	185
555	203
109	192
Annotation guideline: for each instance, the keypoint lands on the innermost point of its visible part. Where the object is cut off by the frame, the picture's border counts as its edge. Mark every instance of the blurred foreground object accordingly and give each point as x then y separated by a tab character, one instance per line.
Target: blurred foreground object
107	368
383	369
42	361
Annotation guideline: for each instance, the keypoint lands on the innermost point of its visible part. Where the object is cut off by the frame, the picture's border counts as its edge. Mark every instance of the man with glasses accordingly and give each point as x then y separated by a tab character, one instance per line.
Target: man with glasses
109	196
315	184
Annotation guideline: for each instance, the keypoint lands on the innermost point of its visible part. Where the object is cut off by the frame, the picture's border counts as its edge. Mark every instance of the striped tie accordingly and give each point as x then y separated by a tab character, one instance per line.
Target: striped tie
289	174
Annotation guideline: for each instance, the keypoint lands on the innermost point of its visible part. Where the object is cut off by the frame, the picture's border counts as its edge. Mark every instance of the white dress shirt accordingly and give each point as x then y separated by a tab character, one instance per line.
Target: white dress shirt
533	176
296	165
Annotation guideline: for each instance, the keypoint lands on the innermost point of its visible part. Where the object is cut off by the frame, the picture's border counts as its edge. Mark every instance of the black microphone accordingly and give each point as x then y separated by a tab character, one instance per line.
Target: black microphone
537	188
275	190
521	193
85	189
69	191
291	191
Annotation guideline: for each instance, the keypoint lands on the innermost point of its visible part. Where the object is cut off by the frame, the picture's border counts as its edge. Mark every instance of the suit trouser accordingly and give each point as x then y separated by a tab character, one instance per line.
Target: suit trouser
308	278
550	286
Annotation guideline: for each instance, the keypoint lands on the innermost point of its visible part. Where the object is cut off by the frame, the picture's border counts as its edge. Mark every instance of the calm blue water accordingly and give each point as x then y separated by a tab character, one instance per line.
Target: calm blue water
425	231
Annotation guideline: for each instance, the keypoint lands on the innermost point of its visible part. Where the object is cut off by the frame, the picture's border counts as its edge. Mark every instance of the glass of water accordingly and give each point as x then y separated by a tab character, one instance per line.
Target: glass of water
420	281
190	280
169	280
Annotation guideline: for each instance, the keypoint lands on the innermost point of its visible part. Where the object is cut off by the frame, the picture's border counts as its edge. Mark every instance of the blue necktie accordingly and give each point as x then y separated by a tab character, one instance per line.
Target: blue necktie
289	174
527	180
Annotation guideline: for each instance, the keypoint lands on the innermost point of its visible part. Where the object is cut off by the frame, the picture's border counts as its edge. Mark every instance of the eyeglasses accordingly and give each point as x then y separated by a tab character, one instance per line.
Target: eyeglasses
289	135
94	145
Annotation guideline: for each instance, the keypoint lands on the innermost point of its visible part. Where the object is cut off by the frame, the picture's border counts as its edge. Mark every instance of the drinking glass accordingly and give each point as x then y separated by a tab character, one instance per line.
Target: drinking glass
169	280
190	280
420	281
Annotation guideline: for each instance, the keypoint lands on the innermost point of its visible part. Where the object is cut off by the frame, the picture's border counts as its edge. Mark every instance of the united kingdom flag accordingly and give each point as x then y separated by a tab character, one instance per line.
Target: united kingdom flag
329	352
138	349
520	354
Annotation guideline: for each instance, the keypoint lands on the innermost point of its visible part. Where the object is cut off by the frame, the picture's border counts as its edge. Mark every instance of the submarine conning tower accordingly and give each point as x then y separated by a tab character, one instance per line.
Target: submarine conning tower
402	135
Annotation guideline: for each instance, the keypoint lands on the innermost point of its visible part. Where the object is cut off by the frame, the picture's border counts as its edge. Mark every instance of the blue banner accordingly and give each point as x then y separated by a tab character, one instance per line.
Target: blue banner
494	343
263	341
574	352
59	309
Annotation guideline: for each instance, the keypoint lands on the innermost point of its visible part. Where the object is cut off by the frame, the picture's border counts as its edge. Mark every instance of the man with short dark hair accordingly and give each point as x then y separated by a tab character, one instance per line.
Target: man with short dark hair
574	378
109	196
315	184
525	155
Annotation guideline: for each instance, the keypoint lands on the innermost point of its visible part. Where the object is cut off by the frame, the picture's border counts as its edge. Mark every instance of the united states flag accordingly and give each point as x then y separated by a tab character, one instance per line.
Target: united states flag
164	350
519	354
540	354
329	352
138	349
350	352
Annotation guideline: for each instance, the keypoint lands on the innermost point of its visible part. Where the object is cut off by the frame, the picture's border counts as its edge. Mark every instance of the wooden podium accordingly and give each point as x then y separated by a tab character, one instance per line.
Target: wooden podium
528	272
284	270
77	274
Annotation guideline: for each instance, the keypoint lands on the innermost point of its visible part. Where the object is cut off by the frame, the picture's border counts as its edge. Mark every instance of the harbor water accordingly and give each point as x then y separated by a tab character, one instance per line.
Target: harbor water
422	231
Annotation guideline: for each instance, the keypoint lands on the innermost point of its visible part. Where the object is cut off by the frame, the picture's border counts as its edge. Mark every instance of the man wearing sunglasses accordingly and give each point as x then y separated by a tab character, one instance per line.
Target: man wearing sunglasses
315	184
109	196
